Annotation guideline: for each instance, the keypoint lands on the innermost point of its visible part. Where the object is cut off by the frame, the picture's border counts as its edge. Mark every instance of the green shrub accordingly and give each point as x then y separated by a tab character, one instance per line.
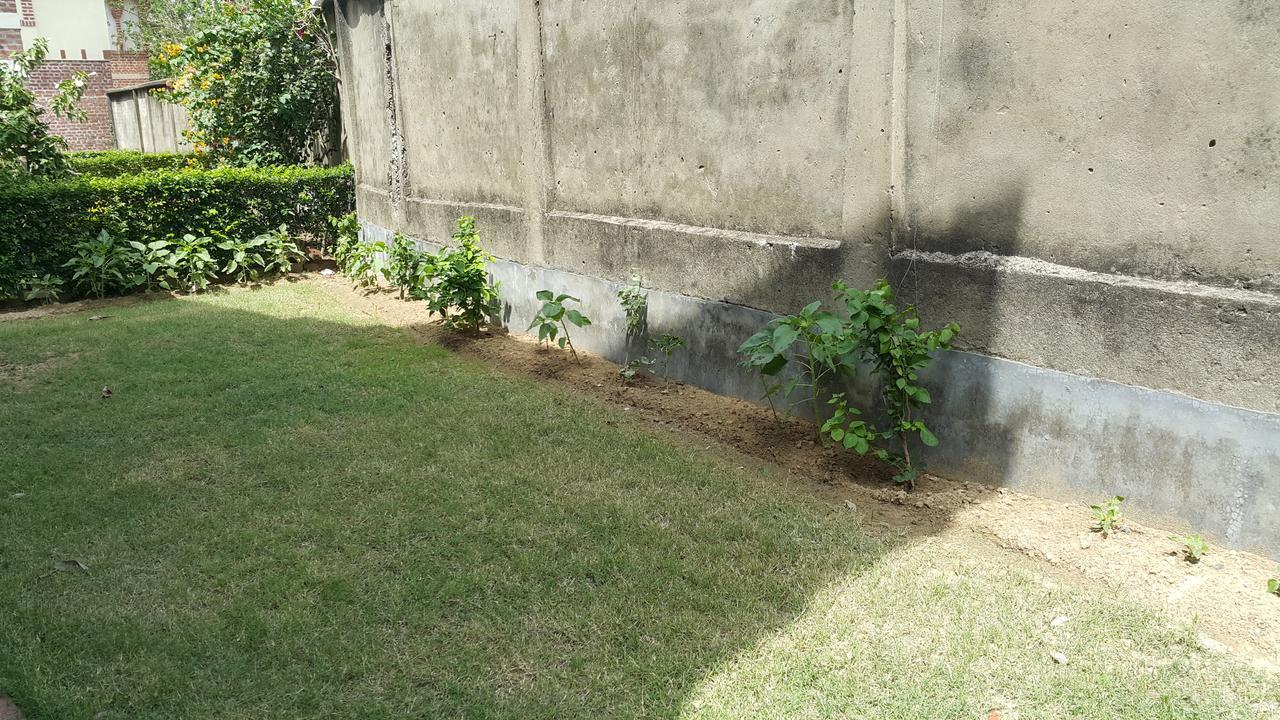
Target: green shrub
872	333
114	163
456	283
41	220
408	267
101	266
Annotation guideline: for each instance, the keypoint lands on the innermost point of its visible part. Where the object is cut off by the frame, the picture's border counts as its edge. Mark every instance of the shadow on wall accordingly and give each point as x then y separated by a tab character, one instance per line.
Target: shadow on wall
976	443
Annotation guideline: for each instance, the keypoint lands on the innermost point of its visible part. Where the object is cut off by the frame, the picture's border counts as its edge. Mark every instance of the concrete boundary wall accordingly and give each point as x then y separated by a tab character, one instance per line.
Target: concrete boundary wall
1088	190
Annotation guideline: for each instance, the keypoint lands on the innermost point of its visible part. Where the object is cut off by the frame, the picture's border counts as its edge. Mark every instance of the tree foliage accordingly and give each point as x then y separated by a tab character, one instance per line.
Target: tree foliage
26	145
258	79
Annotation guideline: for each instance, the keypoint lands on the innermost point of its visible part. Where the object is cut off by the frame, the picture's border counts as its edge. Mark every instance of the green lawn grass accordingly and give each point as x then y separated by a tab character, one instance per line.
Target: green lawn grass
289	511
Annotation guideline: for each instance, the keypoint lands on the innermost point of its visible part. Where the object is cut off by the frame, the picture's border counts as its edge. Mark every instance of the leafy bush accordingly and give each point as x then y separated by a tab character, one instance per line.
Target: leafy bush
1106	515
269	252
40	220
827	347
26	145
457	283
45	288
890	342
367	264
193	264
114	163
258	79
101	266
154	263
814	339
408	266
346	230
551	320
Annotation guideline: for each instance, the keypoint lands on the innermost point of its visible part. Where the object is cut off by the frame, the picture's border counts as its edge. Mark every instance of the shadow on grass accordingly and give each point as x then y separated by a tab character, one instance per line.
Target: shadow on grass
287	511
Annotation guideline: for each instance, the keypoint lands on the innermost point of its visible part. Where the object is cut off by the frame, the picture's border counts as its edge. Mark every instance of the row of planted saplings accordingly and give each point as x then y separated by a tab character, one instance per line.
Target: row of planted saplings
108	265
821	346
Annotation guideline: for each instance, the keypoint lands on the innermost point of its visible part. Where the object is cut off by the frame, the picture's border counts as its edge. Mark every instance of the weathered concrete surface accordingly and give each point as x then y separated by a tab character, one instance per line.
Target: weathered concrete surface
1132	136
1183	461
751	153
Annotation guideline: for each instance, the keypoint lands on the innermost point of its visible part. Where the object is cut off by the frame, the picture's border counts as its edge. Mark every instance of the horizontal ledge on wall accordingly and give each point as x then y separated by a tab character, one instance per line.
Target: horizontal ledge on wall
464	205
719	233
1015	264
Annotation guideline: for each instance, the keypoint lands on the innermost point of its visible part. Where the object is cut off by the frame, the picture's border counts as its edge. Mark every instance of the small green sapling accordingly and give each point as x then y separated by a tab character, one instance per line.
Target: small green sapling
1107	517
1193	547
552	318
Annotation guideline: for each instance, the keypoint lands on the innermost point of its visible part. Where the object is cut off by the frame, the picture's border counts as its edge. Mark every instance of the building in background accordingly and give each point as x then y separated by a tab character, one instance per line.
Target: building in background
83	35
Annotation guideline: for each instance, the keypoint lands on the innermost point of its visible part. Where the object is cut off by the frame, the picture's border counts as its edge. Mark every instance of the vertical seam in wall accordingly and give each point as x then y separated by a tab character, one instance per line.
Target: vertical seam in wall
846	228
898	153
539	178
397	172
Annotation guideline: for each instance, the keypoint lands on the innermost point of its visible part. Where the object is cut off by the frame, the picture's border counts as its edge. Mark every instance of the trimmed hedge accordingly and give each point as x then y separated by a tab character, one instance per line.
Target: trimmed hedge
41	219
113	163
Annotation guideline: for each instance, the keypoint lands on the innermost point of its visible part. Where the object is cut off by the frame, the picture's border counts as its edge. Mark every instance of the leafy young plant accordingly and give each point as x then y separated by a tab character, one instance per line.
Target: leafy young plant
245	258
248	260
347	229
890	342
456	284
101	266
1273	584
552	318
665	344
45	288
634	368
814	339
279	251
635	305
1193	547
409	266
154	264
193	267
1107	517
368	266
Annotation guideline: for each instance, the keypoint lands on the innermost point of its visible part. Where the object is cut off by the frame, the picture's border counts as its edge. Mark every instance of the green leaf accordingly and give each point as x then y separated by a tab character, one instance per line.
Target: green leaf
830	324
774	366
545	295
783	337
811	308
927	437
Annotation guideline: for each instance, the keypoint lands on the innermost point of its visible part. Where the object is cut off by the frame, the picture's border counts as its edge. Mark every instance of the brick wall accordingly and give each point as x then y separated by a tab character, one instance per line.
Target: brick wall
128	67
95	132
8	6
10	40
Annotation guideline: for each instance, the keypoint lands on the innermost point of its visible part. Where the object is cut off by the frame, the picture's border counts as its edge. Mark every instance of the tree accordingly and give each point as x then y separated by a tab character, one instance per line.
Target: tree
259	82
26	145
162	23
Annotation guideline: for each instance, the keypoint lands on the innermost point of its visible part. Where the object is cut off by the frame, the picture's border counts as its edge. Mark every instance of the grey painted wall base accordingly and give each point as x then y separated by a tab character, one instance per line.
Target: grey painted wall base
1182	461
